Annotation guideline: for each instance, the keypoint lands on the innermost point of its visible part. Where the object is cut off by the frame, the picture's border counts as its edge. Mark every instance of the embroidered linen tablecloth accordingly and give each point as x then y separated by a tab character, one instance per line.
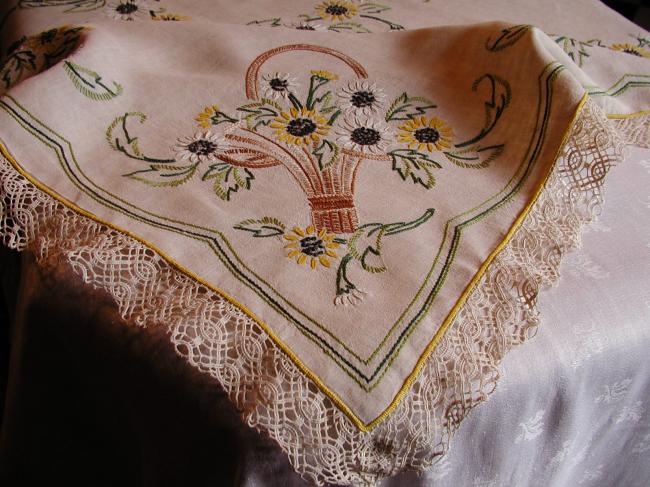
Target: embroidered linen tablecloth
343	211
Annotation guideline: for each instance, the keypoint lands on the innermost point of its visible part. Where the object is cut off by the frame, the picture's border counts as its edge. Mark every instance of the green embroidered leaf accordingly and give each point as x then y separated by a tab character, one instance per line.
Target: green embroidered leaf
498	99
406	107
365	246
391	25
507	37
159	175
228	179
16	66
409	163
373	8
575	49
76	5
353	27
325	102
273	22
61	42
306	18
214	116
260	113
90	83
475	157
123	139
120	139
263	227
326	153
643	42
399	227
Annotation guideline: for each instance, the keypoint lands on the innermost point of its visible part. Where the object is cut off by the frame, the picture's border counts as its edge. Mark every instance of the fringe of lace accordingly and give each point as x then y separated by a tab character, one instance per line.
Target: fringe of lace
269	390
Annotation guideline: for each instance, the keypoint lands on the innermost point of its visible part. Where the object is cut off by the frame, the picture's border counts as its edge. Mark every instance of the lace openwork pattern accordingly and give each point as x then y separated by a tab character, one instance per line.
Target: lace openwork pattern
269	390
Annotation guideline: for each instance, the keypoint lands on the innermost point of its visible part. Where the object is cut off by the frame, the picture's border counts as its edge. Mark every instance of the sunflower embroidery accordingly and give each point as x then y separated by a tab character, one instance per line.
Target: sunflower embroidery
631	49
364	134
202	147
169	17
425	134
207	117
324	75
277	85
305	245
337	10
127	10
361	97
300	127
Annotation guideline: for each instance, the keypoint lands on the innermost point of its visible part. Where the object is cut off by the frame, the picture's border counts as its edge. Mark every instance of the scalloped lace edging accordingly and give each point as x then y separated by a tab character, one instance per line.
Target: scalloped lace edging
267	387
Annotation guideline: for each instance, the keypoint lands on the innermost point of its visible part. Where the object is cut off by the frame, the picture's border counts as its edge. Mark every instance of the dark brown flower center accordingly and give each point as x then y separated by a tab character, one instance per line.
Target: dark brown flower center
312	246
632	51
427	135
336	10
126	8
278	84
365	136
300	127
47	37
202	147
362	99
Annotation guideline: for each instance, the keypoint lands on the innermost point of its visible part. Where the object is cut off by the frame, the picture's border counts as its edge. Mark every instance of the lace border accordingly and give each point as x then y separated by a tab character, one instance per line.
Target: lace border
272	394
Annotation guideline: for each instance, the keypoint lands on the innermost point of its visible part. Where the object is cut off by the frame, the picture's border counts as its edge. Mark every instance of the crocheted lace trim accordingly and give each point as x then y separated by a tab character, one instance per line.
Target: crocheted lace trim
267	387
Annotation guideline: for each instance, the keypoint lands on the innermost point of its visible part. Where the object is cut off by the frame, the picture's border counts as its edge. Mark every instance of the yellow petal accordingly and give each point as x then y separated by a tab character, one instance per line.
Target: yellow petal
310	229
324	261
291	237
313	263
330	253
299	231
293	253
302	259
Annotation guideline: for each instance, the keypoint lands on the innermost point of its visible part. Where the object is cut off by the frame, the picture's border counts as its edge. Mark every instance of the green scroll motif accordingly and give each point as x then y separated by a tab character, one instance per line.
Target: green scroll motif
319	249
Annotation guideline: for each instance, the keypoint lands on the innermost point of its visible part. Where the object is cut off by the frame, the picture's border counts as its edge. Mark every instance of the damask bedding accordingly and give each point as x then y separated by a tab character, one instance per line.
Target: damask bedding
342	212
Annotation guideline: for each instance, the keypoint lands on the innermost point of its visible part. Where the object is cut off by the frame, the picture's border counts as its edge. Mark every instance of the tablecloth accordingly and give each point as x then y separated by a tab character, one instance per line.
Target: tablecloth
289	357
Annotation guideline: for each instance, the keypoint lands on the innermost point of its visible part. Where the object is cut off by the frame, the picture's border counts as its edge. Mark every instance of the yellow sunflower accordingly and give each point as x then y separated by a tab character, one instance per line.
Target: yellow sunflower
631	49
337	10
170	17
308	246
205	118
422	133
321	73
300	126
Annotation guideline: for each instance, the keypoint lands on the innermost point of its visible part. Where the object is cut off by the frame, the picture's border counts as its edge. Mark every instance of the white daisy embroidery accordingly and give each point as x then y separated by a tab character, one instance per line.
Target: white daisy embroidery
201	147
364	134
127	9
361	96
277	85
